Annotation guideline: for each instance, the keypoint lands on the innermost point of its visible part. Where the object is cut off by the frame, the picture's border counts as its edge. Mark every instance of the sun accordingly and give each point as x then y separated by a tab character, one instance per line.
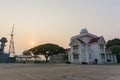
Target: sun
32	43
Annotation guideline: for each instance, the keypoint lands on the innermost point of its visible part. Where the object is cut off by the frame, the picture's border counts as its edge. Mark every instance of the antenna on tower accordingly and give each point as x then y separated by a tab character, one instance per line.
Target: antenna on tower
11	47
13	29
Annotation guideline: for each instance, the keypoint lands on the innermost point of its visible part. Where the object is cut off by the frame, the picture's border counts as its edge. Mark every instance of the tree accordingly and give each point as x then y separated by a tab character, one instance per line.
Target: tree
113	42
26	52
115	50
35	52
114	46
47	50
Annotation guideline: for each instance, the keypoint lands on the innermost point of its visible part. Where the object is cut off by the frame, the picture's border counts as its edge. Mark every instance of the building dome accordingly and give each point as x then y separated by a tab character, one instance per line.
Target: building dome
3	39
83	31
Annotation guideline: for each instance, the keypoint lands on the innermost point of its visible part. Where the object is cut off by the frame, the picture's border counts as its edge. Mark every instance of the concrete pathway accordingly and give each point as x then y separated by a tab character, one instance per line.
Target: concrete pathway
58	72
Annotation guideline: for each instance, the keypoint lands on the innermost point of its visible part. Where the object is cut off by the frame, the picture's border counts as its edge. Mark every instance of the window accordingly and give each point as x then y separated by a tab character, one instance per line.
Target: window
101	46
75	56
75	47
90	56
89	45
102	55
83	45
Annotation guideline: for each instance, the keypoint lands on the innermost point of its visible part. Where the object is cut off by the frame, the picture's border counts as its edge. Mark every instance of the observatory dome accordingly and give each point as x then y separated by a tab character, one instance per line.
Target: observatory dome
83	31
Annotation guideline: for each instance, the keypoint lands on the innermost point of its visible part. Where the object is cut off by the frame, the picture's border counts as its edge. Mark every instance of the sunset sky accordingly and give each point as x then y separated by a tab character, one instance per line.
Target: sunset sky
56	21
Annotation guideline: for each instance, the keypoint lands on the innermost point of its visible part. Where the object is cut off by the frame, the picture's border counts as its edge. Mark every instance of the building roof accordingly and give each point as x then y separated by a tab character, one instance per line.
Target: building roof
94	40
68	49
80	40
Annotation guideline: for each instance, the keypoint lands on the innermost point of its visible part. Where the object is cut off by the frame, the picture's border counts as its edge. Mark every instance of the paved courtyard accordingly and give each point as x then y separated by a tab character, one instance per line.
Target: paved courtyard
58	72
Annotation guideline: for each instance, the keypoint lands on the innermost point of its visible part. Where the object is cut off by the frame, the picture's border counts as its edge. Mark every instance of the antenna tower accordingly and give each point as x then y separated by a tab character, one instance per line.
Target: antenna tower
11	47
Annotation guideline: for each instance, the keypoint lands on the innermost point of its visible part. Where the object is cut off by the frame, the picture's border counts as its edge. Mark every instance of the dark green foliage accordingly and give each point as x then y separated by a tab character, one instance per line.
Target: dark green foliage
115	49
114	46
26	52
47	50
113	42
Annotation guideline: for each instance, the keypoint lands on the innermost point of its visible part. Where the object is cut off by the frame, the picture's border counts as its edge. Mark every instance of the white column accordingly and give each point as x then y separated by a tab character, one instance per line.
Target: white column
70	57
111	58
87	57
105	58
115	57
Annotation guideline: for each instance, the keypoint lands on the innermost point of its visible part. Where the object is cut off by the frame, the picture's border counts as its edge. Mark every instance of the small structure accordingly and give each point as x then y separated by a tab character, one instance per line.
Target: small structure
24	58
4	57
57	58
88	48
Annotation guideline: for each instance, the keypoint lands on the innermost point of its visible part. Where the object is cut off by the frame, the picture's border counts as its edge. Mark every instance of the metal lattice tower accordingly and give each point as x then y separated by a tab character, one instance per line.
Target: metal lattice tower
11	47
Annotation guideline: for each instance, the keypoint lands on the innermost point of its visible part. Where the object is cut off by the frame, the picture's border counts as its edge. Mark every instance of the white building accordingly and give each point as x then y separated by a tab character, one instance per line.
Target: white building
89	48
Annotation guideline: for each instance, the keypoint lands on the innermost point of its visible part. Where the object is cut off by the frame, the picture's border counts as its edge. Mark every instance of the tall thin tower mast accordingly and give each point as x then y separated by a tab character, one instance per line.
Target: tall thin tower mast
11	47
